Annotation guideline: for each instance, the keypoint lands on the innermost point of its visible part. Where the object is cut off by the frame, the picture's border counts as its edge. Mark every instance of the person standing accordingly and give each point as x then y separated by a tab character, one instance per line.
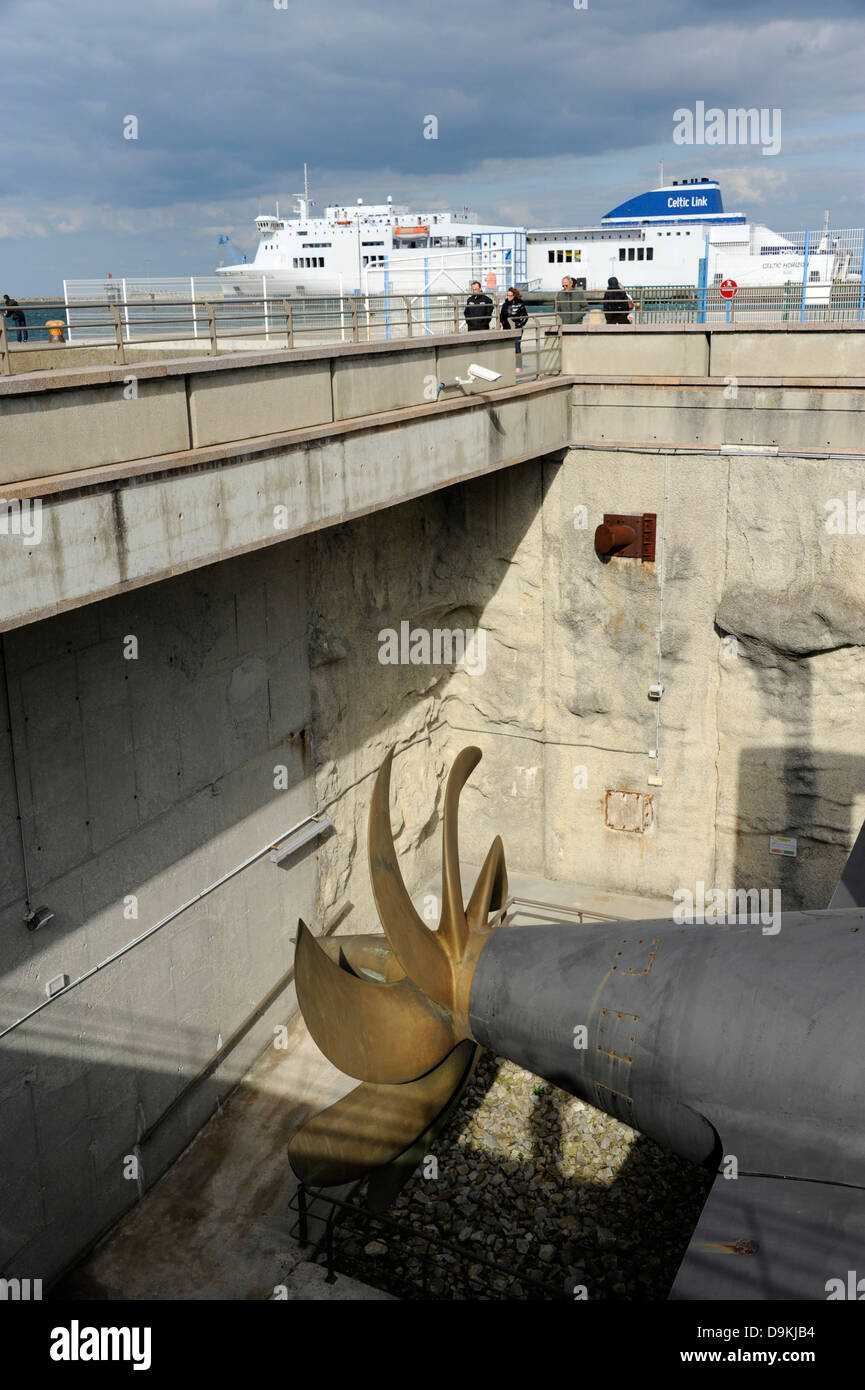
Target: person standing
514	314
571	302
478	312
617	302
16	316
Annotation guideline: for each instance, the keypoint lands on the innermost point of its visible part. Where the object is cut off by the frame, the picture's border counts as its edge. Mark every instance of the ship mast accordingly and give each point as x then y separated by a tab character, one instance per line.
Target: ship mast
303	198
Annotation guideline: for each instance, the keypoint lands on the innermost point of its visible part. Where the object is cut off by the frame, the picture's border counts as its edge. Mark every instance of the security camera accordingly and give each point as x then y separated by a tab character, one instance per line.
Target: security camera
484	373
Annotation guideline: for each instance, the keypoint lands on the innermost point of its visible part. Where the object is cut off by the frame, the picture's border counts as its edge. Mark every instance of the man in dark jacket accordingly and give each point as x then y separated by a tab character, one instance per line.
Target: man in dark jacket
479	309
16	316
617	302
571	303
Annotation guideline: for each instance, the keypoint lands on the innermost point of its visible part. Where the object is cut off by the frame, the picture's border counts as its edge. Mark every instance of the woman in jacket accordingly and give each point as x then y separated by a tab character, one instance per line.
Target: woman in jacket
514	314
617	302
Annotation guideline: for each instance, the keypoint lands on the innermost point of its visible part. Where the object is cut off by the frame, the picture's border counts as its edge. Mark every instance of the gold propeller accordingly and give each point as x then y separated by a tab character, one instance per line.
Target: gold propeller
393	1011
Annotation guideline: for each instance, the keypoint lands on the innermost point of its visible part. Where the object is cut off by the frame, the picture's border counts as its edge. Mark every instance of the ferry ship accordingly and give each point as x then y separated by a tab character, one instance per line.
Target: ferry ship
676	234
375	248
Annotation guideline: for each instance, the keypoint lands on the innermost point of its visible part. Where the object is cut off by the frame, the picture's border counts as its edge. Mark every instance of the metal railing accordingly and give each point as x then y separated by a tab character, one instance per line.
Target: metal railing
479	1274
147	319
841	301
210	326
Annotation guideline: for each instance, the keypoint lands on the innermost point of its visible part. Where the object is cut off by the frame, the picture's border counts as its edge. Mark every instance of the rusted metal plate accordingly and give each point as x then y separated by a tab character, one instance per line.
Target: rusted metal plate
633	812
774	1238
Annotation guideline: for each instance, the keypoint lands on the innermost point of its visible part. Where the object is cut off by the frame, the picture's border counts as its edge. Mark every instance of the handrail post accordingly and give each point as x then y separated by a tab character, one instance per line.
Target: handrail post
118	334
289	323
407	302
355	326
211	321
4	347
456	308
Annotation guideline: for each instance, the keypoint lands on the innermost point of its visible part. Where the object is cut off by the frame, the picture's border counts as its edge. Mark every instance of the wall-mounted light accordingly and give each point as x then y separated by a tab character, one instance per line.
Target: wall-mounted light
37	917
289	846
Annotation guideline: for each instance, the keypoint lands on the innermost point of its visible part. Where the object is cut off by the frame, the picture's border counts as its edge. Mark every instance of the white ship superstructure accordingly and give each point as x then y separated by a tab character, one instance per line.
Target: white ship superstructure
375	247
675	234
679	234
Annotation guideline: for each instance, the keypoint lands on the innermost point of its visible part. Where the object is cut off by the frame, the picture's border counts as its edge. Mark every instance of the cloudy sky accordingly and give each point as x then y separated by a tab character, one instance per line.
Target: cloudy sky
546	114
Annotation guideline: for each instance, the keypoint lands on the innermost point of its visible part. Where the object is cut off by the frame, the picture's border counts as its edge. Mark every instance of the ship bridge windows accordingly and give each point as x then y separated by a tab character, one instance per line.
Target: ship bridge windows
564	255
372	243
320	245
307	263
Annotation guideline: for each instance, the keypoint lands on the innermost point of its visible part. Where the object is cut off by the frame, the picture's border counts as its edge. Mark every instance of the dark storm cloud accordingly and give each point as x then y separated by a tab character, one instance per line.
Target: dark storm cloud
227	94
232	97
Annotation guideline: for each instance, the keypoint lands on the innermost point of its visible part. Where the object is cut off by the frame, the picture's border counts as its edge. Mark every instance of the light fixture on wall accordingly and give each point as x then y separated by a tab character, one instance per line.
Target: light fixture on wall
36	917
289	846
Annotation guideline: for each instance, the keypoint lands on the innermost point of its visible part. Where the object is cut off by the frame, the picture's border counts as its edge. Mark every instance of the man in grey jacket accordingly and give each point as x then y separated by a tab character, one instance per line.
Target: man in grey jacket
571	303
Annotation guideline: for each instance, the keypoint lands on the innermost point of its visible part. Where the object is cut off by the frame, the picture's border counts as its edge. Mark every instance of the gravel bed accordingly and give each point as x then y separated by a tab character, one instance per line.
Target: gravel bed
544	1185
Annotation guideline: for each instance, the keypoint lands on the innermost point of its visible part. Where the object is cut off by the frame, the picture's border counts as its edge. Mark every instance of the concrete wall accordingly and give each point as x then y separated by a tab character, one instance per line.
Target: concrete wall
732	413
77	418
700	350
133	528
148	777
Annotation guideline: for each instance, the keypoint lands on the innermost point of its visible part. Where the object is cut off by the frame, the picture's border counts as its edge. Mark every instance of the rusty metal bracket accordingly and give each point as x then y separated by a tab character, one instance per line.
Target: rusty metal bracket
627	537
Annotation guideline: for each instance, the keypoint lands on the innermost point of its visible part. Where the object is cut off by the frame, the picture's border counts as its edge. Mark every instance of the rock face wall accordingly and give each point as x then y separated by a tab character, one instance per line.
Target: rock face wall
759	614
433	567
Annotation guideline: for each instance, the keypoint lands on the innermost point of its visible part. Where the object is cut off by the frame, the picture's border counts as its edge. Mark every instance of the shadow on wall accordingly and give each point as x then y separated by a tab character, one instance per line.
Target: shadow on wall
804	654
145	771
432	565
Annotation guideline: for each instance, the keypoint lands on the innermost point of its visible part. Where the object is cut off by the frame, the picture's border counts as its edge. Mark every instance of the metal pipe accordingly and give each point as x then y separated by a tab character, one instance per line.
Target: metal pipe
157	926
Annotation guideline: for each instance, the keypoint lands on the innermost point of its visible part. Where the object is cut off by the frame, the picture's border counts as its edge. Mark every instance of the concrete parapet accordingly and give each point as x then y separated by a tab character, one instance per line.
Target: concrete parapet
796	418
79	428
264	400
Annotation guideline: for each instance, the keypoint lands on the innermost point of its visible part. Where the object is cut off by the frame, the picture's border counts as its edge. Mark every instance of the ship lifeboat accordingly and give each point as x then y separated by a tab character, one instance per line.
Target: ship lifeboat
411	231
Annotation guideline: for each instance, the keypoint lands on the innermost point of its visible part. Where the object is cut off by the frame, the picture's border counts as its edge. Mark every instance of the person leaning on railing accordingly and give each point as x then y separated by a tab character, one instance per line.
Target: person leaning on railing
617	302
15	315
571	303
478	312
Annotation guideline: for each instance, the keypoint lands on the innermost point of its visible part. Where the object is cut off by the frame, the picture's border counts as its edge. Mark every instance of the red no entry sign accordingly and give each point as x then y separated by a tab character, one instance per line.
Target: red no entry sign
728	288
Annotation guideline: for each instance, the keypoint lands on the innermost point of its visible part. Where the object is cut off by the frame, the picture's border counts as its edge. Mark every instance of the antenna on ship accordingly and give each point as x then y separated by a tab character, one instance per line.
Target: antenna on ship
660	173
303	198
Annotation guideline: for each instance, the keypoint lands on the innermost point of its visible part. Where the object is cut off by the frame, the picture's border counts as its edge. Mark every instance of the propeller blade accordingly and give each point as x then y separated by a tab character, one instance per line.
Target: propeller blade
491	890
381	1032
420	952
453	927
375	1124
